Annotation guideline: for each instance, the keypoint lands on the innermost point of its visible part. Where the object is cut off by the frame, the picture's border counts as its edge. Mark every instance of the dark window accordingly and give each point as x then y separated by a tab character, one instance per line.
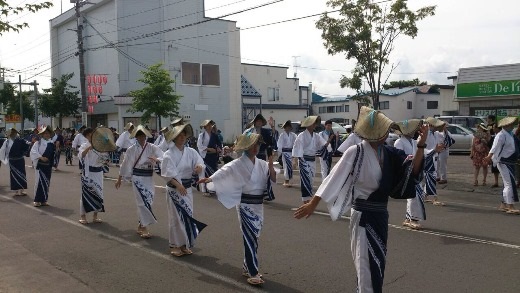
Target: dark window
347	108
409	105
190	73
210	75
384	105
330	109
432	105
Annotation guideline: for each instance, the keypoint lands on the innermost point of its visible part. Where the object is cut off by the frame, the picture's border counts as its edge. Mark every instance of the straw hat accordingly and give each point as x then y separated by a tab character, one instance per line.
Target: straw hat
44	129
506	121
103	140
165	129
206	122
128	126
483	127
310	120
287	124
10	132
408	127
173	133
142	129
245	141
177	121
372	125
434	122
259	116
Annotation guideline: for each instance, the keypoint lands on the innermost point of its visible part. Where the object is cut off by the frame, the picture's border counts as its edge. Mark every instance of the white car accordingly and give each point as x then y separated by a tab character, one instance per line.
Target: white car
463	138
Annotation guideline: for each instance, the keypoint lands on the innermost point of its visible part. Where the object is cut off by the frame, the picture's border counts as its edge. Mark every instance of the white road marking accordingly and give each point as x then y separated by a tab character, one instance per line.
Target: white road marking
440	234
198	269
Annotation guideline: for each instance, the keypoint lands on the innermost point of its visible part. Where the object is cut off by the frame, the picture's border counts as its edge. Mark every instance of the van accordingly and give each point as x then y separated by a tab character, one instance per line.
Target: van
465	121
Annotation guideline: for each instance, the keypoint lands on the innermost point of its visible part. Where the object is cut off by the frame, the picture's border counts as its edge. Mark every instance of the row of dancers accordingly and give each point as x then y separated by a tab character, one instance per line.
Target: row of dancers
366	175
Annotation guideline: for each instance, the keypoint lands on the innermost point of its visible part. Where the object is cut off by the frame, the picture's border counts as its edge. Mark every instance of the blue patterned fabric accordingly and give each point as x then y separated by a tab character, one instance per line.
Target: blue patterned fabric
146	196
91	199
191	226
448	140
376	227
17	173
250	224
305	178
287	164
430	174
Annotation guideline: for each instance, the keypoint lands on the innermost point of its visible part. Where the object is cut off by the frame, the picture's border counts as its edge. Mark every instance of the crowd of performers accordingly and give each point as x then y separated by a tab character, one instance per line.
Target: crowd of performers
368	173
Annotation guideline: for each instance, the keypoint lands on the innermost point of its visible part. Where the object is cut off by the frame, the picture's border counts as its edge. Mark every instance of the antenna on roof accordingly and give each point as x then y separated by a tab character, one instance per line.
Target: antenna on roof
295	65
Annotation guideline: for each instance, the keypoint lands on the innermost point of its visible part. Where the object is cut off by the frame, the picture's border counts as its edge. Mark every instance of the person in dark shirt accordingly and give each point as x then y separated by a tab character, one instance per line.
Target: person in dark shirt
59	143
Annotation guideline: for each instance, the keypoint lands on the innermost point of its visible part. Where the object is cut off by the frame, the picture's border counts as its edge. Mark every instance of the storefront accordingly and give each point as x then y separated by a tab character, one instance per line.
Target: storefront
481	91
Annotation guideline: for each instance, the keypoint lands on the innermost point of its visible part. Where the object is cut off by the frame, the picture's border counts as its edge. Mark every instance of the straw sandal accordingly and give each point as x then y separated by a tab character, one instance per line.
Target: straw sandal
97	220
176	251
186	250
82	221
255	281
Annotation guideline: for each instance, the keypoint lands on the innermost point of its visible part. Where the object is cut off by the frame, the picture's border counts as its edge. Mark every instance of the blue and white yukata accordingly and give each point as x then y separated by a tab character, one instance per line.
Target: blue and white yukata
415	209
141	177
430	168
305	148
12	154
285	145
357	182
504	159
92	180
179	165
242	183
325	154
43	170
442	165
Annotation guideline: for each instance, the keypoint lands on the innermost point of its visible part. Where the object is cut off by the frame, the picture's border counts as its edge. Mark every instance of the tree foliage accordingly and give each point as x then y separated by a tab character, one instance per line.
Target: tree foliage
10	98
7	11
157	96
366	31
404	83
60	100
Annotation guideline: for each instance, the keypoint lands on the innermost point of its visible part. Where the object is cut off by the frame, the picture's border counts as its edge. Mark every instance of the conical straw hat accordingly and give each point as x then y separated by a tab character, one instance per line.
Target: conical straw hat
507	121
434	122
310	120
46	128
173	133
408	127
103	140
206	122
142	129
245	141
372	125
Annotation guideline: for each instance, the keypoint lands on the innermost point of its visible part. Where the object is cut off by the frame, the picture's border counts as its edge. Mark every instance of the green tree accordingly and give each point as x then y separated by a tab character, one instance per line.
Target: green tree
157	96
60	100
10	98
366	31
7	10
404	83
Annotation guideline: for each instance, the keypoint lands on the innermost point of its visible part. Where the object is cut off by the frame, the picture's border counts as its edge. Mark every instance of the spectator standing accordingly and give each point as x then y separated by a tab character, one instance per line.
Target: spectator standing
479	150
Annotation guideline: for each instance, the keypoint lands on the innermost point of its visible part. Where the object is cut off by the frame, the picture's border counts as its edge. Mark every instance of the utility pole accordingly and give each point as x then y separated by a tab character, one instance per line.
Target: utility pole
20	96
35	104
79	31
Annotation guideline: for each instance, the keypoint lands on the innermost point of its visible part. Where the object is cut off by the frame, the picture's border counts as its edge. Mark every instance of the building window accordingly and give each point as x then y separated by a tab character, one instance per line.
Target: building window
273	94
330	109
432	104
347	108
339	109
210	75
322	109
384	105
409	105
200	74
190	73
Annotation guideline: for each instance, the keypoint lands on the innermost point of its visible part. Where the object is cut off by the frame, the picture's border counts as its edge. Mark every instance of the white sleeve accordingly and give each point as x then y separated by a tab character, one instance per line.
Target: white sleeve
297	150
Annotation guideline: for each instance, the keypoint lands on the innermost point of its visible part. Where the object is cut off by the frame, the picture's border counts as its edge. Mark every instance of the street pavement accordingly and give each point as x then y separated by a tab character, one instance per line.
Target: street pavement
466	246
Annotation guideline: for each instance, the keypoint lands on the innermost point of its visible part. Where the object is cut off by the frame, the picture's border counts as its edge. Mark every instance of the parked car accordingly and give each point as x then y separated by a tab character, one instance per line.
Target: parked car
463	137
392	137
465	121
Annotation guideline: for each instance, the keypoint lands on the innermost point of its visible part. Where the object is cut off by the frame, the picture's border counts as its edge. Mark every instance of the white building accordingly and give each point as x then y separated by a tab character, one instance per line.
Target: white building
397	103
267	90
122	37
485	90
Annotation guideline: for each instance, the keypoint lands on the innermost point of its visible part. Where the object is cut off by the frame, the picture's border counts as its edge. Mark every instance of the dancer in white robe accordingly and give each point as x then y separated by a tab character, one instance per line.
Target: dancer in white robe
42	155
285	145
306	145
125	139
434	141
12	154
79	140
242	183
503	155
177	167
415	210
138	165
91	179
444	154
351	140
363	179
326	152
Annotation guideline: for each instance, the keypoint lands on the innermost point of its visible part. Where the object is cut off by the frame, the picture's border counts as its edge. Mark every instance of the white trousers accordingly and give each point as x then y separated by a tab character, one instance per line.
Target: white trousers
507	194
442	166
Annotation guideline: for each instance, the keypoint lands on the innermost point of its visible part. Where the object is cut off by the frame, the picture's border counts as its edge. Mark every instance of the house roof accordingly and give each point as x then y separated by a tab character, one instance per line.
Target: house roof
248	90
317	98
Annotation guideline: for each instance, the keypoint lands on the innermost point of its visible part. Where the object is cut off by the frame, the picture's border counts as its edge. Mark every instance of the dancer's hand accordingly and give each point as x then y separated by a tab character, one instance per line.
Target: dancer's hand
204	180
197	169
182	190
307	209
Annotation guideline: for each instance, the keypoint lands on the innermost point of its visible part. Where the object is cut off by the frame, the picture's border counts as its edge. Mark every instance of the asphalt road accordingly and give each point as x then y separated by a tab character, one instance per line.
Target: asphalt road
466	246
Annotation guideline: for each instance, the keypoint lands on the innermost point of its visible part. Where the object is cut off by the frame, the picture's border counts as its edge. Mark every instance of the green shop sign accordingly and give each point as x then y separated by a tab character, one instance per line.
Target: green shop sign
488	89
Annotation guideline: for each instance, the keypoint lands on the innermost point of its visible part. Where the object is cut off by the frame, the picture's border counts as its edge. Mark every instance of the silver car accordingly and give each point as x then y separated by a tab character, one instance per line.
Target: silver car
463	138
